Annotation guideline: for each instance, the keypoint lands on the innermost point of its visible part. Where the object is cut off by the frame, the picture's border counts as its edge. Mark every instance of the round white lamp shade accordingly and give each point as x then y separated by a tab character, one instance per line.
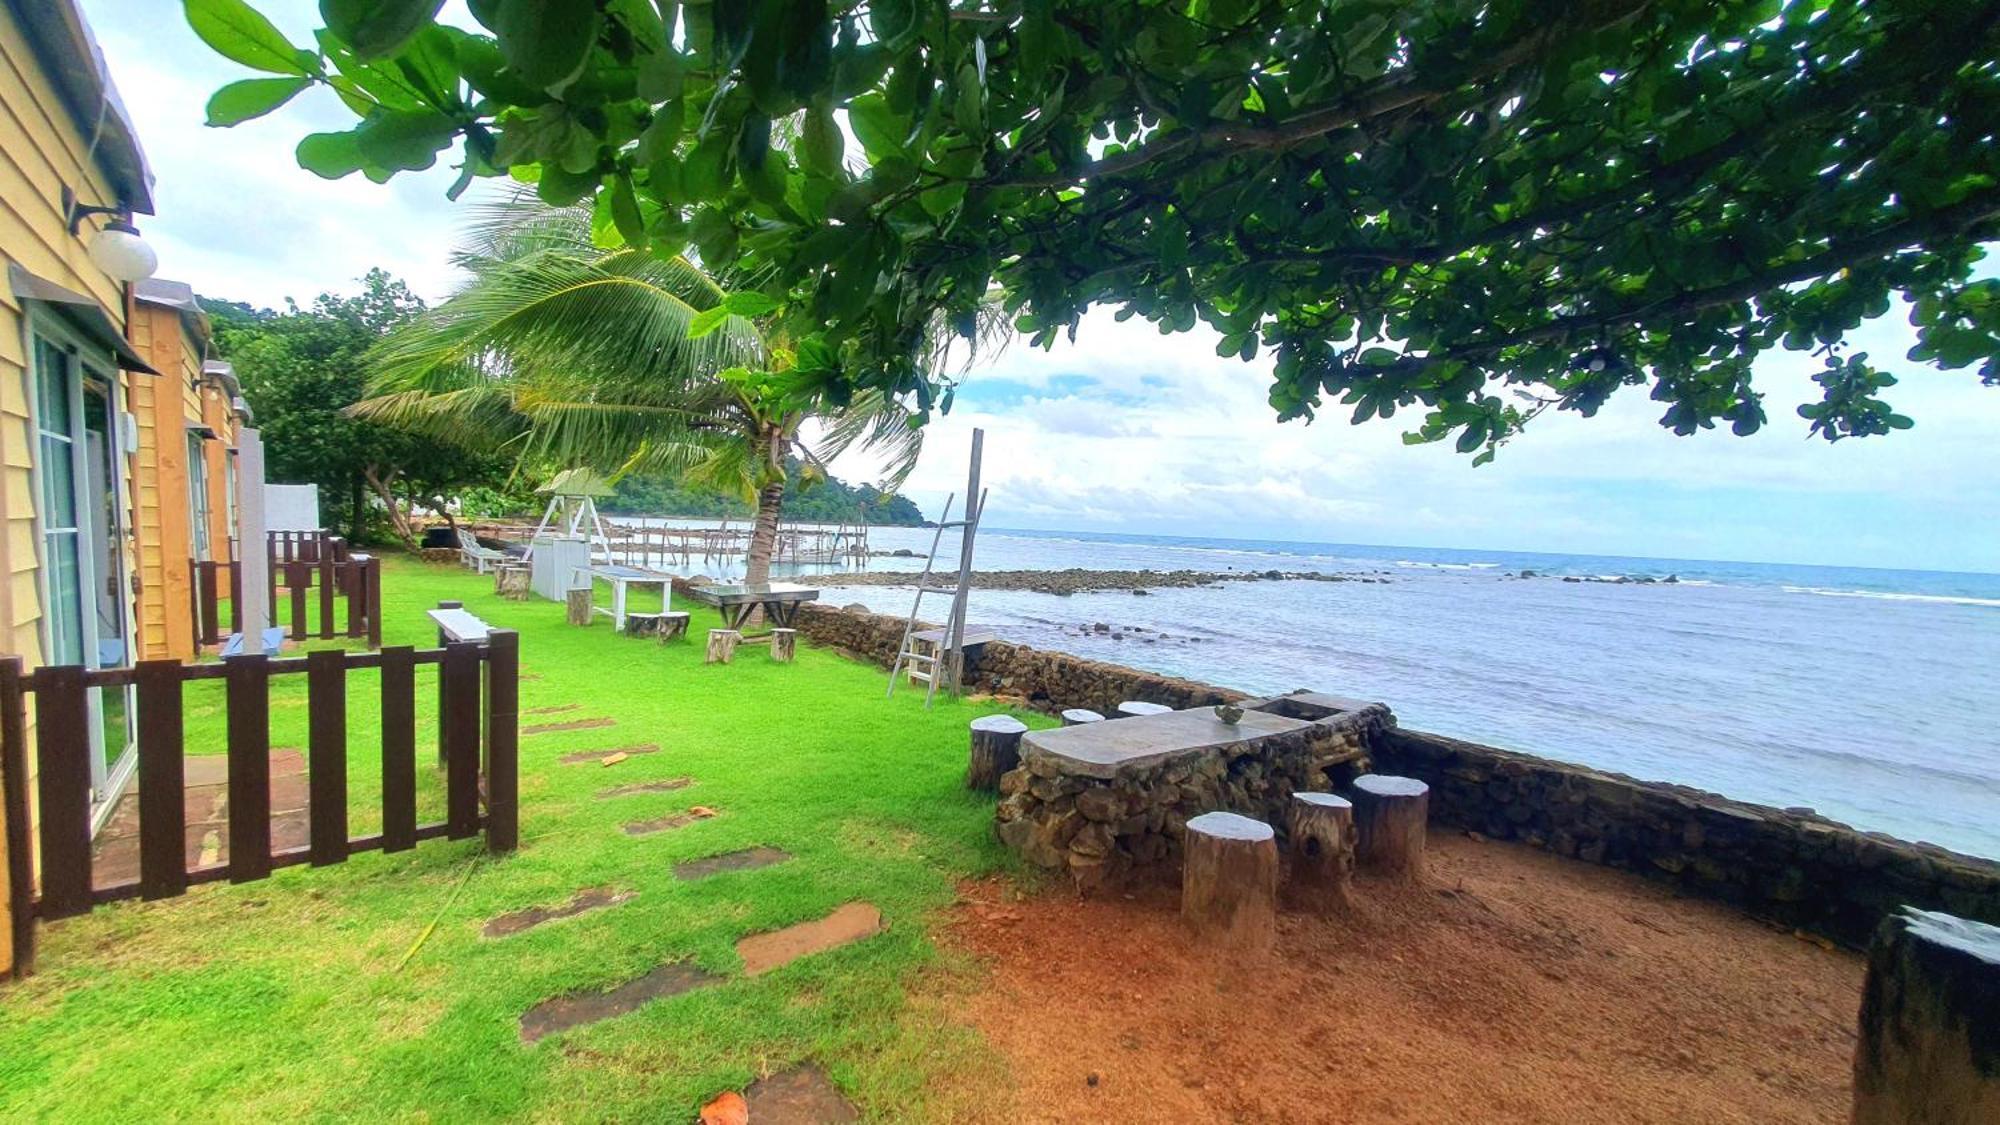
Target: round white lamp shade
120	252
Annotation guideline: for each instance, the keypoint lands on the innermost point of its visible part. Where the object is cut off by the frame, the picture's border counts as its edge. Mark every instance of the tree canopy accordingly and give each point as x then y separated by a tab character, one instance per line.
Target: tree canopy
1483	208
302	368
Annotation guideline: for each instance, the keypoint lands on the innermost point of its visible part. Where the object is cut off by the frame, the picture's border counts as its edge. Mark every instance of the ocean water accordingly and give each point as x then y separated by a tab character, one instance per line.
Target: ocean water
1865	694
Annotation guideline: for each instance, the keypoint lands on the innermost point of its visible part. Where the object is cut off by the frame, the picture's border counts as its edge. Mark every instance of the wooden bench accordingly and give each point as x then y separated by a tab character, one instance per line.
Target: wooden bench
454	624
666	624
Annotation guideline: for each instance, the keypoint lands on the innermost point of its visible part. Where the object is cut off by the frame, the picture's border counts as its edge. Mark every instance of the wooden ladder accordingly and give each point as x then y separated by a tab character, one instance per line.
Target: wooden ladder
946	661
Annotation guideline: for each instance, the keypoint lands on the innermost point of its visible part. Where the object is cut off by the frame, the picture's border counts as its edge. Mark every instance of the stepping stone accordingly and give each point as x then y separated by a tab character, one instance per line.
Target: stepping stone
561	1013
554	709
803	1095
745	860
666	786
619	753
594	898
573	724
663	823
763	952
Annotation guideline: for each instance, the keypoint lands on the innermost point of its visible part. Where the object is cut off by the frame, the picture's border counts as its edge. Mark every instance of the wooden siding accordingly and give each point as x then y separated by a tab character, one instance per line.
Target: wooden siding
163	408
42	148
213	411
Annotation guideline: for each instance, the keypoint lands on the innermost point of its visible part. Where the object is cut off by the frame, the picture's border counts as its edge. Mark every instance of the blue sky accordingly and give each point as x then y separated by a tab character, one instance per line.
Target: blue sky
1126	430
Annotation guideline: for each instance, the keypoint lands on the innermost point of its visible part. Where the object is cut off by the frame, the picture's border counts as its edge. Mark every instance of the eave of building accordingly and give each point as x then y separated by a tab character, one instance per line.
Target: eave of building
62	41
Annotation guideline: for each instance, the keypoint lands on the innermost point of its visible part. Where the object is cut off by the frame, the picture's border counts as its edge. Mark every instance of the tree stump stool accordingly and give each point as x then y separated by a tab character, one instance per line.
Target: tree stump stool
722	646
1929	1049
1132	708
510	581
1389	817
1322	839
674	623
1077	716
996	748
643	624
784	645
578	601
1229	885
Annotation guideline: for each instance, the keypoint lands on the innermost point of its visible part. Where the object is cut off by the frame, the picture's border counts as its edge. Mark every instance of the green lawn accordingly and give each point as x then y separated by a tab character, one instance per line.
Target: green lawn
290	997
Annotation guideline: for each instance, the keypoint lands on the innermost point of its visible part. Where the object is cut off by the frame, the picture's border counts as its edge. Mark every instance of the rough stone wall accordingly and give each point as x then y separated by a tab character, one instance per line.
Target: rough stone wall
1790	867
1048	681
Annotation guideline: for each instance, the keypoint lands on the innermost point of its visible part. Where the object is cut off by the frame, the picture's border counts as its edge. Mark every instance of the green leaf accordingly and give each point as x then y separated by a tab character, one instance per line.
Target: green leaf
625	212
546	41
331	155
821	140
560	188
377	27
404	141
749	303
241	34
660	75
881	130
707	321
251	98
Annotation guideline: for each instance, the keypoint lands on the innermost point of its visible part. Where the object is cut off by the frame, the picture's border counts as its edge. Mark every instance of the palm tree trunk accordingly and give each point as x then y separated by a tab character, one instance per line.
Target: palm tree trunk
770	446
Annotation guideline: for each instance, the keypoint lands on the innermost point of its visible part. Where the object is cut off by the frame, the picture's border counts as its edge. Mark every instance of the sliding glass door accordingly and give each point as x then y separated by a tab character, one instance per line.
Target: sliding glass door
87	608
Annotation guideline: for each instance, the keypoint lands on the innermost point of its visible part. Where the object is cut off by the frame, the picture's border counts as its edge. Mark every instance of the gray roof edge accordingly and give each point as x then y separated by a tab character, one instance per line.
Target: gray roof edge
68	51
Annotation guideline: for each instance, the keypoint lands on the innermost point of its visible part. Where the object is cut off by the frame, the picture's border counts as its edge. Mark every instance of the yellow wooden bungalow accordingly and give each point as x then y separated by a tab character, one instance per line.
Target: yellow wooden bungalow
116	425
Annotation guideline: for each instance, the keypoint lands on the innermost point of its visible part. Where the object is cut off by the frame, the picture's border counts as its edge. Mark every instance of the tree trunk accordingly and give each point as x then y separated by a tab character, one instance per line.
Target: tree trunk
996	749
1322	839
770	452
1389	816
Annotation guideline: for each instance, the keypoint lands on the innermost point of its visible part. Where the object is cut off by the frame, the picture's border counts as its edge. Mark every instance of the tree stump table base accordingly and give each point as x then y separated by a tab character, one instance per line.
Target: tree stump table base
784	645
1229	884
578	608
510	581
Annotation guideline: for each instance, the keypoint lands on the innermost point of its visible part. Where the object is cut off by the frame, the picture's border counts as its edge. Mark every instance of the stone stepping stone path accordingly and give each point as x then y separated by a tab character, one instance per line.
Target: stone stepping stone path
554	709
670	821
762	953
609	757
593	898
562	1013
667	786
748	859
573	724
803	1095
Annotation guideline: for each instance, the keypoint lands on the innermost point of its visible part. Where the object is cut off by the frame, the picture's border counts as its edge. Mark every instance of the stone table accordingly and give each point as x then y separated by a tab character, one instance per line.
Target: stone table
1109	802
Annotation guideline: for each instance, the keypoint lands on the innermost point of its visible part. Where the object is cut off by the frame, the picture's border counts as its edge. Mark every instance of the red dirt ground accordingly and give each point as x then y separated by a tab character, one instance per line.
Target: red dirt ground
1513	987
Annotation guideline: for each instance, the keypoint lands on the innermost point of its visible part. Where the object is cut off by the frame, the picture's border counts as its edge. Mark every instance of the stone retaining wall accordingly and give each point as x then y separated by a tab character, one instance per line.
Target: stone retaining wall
1795	868
1048	681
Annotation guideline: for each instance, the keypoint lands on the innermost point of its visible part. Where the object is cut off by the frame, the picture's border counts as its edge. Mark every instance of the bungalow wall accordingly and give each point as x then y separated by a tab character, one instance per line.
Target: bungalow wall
164	408
42	147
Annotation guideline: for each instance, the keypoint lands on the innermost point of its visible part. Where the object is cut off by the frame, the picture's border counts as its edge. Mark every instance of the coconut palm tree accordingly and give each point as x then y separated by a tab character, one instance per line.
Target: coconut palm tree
564	352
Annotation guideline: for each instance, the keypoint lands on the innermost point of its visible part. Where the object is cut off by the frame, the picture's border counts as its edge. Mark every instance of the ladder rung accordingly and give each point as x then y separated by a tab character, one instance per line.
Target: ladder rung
953	523
937	590
915	657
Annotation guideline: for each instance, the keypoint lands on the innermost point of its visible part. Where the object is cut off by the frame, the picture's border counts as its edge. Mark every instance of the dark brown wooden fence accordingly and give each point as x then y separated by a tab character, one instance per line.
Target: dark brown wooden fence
478	720
304	598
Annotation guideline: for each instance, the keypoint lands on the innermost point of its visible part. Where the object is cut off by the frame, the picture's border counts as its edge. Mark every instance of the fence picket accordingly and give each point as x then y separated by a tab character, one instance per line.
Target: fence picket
503	735
326	700
326	592
399	748
162	781
298	578
14	792
62	741
458	719
248	682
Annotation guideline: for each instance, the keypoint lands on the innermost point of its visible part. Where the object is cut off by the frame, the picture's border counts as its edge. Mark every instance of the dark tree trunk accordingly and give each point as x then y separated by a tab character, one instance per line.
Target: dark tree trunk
357	507
770	452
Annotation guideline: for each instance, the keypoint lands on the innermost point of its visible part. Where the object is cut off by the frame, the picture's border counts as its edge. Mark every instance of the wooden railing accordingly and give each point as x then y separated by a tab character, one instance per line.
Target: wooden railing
297	588
475	721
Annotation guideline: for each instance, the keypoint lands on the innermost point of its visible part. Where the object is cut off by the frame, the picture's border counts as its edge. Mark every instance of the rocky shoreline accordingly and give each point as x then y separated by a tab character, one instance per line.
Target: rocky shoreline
1077	580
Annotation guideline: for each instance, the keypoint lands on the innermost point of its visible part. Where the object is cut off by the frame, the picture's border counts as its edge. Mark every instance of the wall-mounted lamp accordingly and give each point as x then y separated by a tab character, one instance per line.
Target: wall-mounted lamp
118	250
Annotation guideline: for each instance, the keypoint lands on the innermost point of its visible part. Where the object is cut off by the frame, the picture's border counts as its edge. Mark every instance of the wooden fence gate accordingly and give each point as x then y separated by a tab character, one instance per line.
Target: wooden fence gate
478	730
321	584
